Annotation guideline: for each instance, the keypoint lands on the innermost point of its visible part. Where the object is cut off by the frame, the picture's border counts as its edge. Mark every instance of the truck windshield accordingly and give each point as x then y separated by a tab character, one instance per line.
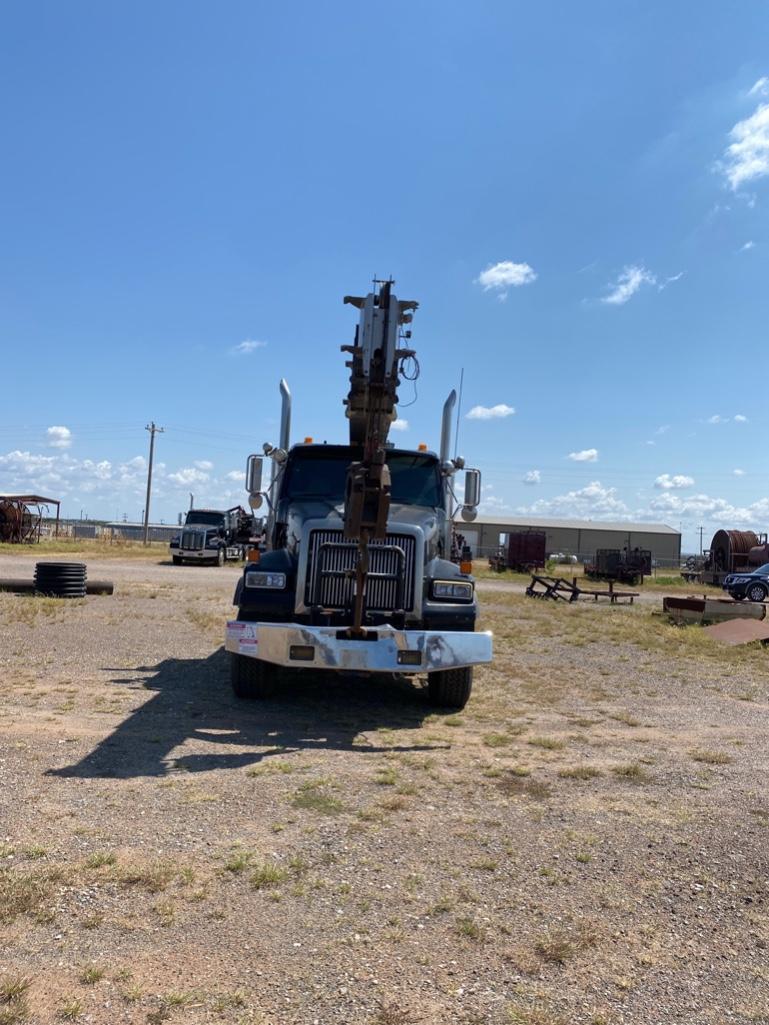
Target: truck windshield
212	519
415	478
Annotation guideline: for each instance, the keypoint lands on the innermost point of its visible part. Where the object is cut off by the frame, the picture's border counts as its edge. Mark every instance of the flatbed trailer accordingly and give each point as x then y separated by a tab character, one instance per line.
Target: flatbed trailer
560	589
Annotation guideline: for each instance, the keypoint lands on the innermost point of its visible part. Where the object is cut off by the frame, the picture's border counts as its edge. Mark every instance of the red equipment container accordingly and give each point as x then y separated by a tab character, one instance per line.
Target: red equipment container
526	550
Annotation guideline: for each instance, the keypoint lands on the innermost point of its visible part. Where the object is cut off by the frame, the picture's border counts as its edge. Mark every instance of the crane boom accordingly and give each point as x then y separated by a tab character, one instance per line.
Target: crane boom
375	370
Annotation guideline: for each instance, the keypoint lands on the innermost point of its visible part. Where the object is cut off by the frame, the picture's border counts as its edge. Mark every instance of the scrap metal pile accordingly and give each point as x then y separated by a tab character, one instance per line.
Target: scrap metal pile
561	589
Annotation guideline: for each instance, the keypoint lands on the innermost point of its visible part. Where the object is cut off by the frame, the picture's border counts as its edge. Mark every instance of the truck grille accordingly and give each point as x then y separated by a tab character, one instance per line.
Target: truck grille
193	540
337	592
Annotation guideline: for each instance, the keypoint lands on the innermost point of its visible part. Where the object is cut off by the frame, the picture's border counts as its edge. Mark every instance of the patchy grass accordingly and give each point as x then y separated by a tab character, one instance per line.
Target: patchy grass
267	874
561	945
91	974
497	739
711	757
240	859
312	796
547	743
153	876
468	928
100	858
70	1009
22	893
633	772
580	772
13	987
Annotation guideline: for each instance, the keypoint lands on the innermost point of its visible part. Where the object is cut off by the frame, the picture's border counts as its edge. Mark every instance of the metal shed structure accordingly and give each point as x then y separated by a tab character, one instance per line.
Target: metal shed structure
581	538
21	517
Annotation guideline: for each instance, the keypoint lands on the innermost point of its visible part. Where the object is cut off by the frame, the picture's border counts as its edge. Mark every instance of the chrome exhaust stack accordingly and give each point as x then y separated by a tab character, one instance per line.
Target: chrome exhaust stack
448	409
285	415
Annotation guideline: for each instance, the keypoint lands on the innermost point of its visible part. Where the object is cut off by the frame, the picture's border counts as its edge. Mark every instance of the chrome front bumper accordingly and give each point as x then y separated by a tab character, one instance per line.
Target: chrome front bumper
325	647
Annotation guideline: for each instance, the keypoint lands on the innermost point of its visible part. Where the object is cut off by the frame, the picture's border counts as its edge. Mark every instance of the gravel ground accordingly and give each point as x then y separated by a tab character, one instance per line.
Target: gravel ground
586	843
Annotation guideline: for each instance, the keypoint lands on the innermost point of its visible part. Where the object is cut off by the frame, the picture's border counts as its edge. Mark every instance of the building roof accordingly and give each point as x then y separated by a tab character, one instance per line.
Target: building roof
532	521
30	499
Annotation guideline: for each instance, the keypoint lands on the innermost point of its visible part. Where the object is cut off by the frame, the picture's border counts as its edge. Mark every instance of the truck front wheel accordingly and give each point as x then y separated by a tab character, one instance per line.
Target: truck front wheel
177	560
251	677
450	688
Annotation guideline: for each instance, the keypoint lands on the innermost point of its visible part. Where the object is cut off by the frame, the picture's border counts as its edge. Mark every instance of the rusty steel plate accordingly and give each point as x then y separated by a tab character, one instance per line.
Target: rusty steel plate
739	631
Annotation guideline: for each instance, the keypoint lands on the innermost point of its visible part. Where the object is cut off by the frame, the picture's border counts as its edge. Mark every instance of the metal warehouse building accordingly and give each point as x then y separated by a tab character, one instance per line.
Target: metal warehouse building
576	537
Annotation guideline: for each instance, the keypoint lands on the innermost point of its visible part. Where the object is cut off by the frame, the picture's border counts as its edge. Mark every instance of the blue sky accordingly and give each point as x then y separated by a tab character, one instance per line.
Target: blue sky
553	182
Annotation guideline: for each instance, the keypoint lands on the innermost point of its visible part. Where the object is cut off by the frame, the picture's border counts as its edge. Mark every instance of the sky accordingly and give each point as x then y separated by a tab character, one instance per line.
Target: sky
576	194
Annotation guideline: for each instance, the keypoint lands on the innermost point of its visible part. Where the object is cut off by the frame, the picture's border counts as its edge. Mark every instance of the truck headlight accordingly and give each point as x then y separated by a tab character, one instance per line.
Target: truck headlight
272	581
450	590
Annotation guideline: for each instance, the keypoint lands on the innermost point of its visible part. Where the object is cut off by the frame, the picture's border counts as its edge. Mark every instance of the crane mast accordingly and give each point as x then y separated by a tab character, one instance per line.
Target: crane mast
376	366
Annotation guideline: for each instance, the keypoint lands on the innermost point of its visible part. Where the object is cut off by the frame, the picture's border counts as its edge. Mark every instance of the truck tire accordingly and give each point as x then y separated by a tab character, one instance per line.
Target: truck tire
251	677
177	560
450	688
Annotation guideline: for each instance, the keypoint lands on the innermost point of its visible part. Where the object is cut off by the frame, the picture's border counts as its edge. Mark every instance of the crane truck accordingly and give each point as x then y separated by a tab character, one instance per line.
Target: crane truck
356	576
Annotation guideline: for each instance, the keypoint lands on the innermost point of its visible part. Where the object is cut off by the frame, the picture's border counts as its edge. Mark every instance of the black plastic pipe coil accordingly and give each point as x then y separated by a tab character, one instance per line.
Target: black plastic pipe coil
60	579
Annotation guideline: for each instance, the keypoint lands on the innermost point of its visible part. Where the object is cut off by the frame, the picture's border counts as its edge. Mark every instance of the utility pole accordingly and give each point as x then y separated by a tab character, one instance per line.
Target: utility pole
701	530
153	431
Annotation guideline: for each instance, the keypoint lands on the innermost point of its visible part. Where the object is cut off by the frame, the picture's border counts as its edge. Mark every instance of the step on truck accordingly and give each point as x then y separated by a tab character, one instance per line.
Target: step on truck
212	536
357	575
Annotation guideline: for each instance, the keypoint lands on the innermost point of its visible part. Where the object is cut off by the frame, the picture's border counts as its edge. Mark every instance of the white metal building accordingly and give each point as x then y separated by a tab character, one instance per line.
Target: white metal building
575	537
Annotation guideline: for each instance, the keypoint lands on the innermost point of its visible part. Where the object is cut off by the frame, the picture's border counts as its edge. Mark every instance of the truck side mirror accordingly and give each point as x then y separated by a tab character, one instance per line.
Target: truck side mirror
254	474
472	488
472	495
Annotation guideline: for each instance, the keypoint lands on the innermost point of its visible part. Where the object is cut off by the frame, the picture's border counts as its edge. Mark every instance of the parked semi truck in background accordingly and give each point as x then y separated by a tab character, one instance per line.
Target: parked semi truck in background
357	573
212	536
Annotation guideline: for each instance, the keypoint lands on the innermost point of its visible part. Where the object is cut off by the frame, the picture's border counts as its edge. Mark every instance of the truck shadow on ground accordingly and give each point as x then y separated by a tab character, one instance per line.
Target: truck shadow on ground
193	705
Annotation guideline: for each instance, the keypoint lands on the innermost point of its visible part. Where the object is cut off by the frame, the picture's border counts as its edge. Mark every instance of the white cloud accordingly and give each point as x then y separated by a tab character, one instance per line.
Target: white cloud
237	475
492	504
60	475
738	472
502	276
750	244
591	502
678	480
747	155
247	347
188	475
739	418
400	425
627	284
663	429
760	88
59	437
490	412
587	455
669	281
204	464
137	463
716	510
532	477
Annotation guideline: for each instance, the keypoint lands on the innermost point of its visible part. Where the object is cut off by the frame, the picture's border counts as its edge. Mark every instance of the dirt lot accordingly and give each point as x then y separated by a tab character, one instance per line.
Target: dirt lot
586	843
